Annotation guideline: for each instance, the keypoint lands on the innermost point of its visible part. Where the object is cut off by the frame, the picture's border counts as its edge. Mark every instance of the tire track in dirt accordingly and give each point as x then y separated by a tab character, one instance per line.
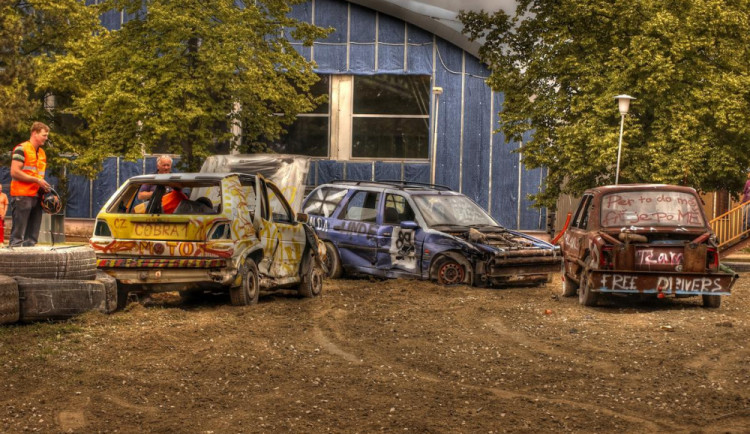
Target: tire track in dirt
333	348
531	345
716	364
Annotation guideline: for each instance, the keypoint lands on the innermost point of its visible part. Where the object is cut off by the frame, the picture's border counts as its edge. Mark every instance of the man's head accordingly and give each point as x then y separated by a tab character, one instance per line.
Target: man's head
164	164
39	134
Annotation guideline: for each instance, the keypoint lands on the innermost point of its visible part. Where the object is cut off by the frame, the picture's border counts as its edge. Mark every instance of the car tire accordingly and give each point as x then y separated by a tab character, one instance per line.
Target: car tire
449	272
42	299
249	290
110	288
312	281
41	262
586	297
333	261
10	308
569	286
712	301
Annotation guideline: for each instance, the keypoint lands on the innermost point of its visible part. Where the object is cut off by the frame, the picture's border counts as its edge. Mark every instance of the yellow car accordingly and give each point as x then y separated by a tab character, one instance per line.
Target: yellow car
206	231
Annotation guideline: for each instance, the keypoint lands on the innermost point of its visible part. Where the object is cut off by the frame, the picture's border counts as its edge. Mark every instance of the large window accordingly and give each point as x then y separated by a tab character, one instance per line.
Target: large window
390	116
368	117
308	135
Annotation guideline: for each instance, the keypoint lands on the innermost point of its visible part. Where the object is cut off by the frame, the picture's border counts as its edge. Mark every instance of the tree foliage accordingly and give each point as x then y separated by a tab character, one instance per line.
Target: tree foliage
32	34
560	64
179	74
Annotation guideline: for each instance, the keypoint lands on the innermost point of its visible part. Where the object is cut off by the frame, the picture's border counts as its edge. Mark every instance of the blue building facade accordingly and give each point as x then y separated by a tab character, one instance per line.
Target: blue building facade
405	102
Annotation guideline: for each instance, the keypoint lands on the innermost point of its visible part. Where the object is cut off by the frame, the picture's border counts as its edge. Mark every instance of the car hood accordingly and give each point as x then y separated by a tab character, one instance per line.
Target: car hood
497	238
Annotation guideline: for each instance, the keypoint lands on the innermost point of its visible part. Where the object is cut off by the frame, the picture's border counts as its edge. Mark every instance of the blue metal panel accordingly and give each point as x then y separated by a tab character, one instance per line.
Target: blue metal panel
5	179
329	171
330	54
111	20
151	165
387	171
359	171
301	12
476	152
476	68
330	58
332	13
504	173
449	116
311	173
105	183
362	58
391	32
79	192
419	51
530	217
129	169
362	23
417	172
362	47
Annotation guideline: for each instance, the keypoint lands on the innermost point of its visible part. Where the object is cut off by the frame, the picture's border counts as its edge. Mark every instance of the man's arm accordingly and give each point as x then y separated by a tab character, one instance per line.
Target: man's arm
145	192
17	173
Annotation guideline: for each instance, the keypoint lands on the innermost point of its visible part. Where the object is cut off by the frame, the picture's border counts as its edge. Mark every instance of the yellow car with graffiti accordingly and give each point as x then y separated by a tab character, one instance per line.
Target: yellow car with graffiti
193	232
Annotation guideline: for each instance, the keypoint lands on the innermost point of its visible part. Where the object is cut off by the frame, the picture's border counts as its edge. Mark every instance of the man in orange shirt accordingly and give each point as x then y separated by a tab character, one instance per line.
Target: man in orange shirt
27	167
3	210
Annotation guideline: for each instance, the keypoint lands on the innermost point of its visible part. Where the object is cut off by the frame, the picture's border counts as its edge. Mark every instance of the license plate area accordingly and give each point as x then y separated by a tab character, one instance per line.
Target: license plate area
160	231
666	283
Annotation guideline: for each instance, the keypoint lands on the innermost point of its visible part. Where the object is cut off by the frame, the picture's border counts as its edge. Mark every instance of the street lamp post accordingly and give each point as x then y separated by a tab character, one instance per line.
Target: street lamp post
624	103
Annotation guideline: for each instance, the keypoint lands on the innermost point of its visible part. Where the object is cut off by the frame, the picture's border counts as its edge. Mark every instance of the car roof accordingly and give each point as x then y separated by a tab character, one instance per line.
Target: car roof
410	186
187	177
606	189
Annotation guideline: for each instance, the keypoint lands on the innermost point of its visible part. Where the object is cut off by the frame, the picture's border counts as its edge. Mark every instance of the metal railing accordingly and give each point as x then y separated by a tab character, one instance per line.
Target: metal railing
732	226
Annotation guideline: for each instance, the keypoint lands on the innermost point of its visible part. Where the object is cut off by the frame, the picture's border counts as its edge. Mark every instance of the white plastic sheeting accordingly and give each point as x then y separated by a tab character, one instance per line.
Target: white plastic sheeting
288	172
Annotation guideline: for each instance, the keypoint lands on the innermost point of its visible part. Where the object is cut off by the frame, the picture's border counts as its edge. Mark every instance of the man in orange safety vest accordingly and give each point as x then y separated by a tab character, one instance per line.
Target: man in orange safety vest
27	167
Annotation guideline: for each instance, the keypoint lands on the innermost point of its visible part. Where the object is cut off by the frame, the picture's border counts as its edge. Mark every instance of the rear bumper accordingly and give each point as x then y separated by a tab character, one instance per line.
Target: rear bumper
655	282
148	271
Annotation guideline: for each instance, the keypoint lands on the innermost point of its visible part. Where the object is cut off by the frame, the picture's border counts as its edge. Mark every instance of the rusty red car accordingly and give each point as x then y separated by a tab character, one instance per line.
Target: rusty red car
644	240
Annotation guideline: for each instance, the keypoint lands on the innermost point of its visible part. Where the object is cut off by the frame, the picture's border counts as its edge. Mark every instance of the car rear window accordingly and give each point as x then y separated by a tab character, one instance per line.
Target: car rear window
651	208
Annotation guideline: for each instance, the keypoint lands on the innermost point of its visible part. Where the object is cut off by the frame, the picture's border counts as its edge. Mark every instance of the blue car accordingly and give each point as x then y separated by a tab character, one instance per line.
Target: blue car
422	231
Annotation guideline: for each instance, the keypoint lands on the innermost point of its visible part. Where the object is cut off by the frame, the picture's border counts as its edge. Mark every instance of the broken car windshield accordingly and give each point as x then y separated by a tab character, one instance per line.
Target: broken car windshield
451	210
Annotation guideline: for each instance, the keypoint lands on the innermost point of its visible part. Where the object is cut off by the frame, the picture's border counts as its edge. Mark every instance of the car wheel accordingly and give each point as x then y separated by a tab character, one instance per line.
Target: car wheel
586	297
9	302
43	262
249	290
450	272
712	301
312	281
333	261
569	286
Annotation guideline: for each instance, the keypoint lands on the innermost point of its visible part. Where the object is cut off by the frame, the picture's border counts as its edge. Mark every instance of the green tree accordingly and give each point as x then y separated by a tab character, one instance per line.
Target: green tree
180	75
32	34
560	63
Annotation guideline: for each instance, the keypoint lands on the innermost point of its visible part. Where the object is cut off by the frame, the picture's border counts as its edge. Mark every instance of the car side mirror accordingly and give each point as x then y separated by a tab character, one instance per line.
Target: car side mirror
302	217
409	224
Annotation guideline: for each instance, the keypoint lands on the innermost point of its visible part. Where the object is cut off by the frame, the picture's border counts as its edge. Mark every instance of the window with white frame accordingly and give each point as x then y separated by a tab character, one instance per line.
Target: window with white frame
390	117
372	117
308	134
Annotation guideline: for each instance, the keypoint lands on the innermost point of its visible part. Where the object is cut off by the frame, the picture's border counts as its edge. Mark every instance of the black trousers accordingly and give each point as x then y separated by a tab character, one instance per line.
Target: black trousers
27	219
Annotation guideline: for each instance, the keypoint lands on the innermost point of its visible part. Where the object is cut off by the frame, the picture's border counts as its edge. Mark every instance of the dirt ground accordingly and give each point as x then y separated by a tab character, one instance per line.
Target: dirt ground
396	356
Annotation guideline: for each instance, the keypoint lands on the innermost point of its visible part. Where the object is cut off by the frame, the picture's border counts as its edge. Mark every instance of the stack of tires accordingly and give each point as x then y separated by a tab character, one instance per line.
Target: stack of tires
42	282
